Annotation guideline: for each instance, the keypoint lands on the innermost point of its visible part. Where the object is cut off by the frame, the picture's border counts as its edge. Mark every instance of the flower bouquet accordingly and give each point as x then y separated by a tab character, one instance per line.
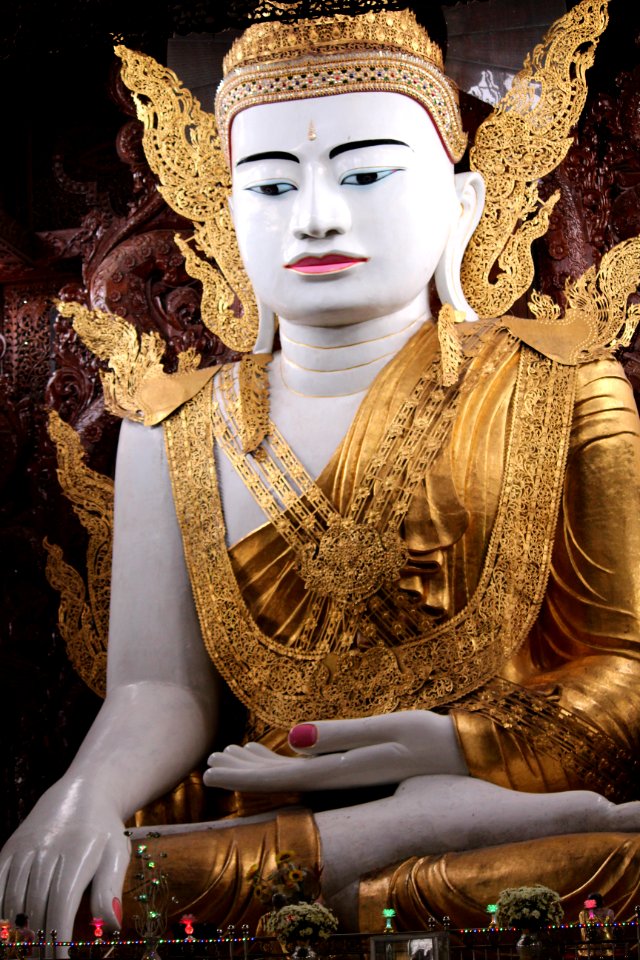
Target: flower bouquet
529	908
290	882
296	919
298	922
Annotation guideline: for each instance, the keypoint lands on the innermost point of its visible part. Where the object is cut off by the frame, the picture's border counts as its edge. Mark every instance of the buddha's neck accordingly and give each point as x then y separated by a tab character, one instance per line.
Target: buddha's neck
341	361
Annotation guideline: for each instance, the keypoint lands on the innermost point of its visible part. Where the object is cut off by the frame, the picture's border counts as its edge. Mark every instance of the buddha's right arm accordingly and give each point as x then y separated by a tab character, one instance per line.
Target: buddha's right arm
156	723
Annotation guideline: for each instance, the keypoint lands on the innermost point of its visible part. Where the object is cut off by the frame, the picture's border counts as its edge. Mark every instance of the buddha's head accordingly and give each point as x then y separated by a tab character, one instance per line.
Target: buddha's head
346	204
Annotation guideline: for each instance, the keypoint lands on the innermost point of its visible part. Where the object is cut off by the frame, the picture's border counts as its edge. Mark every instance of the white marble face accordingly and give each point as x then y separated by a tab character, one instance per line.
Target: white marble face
335	226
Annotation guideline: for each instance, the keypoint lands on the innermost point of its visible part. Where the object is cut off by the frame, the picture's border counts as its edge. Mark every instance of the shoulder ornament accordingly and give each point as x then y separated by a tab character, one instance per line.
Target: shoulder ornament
136	386
597	320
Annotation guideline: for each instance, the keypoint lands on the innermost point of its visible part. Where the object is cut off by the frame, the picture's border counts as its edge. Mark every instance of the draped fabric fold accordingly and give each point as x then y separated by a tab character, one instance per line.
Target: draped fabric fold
562	710
582	657
460	885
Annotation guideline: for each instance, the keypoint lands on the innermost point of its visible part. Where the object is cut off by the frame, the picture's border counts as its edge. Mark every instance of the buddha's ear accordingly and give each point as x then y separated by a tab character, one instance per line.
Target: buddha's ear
470	192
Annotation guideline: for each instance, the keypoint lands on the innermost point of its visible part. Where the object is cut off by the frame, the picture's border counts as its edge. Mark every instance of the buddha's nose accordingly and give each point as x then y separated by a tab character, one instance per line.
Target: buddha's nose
320	209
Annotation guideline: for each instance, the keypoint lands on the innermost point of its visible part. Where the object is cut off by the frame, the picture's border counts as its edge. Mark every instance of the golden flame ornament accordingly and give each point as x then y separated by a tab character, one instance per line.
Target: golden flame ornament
522	140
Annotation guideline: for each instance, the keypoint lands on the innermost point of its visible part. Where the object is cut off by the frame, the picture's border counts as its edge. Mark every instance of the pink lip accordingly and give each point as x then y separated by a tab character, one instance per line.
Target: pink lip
331	263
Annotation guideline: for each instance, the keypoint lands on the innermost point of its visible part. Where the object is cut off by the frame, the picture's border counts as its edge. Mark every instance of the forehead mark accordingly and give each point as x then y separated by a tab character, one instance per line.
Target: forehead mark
312	133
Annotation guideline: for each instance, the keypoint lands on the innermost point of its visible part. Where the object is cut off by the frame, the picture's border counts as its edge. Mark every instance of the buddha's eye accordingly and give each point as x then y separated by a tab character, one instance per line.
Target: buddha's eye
272	188
364	177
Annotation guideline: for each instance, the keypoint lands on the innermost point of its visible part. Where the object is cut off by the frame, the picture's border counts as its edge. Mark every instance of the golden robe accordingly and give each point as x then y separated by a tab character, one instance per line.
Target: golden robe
581	661
563	712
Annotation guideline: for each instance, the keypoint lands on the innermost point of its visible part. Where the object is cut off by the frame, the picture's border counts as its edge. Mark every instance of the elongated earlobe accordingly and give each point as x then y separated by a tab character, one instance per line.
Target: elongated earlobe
266	317
470	191
266	329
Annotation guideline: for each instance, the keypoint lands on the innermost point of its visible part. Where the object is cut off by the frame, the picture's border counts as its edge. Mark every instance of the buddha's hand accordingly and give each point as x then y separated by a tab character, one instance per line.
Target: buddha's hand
73	836
345	753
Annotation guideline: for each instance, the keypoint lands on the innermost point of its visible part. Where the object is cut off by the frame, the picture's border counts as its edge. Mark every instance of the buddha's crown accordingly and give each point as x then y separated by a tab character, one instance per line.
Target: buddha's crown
386	30
375	51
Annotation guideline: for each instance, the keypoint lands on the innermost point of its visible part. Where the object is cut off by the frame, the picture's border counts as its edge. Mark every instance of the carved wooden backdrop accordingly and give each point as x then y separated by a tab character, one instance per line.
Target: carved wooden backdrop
80	218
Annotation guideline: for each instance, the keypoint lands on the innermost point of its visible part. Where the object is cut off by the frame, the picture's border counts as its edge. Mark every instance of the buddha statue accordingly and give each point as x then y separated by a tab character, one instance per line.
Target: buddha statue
420	573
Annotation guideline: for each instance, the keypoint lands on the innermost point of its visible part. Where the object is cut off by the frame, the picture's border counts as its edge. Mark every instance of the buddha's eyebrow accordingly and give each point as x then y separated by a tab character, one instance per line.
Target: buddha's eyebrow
358	144
269	155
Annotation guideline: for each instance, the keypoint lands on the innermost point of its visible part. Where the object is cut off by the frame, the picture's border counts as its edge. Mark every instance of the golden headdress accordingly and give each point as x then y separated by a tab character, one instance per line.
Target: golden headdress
522	140
384	51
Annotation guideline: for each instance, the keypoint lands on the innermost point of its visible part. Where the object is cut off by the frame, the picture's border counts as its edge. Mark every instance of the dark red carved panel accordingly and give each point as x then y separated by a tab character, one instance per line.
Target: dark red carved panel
120	256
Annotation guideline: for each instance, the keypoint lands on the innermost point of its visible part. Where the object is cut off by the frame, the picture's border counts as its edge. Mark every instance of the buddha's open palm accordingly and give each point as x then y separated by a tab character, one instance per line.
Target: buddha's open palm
344	753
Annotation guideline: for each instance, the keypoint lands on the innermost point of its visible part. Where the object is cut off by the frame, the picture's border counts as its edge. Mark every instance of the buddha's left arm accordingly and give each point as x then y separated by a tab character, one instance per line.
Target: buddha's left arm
566	711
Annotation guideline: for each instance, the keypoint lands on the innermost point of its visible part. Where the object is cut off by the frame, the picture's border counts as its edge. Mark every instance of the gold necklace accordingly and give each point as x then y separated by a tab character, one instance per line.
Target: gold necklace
410	662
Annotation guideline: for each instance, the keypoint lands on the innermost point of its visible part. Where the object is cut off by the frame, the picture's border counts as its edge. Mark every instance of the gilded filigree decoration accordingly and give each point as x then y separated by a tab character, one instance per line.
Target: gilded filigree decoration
278	40
276	9
451	352
130	358
409	663
253	399
387	51
307	520
352	561
524	139
540	720
238	13
183	149
597	311
136	386
597	320
83	616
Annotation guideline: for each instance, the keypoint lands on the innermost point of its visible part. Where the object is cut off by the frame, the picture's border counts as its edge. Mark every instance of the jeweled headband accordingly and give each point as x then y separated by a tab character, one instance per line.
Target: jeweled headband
387	51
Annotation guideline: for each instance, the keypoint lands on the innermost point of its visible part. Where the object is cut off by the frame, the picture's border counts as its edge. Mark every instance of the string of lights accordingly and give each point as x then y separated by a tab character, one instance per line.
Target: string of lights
229	938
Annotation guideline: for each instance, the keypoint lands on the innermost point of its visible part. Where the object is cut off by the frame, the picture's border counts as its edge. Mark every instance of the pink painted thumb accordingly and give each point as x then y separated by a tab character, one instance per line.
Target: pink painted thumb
303	735
116	906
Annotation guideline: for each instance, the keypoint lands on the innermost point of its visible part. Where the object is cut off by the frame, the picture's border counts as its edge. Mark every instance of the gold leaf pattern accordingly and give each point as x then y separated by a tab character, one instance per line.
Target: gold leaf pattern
450	346
136	386
597	320
525	138
131	359
182	148
253	397
83	623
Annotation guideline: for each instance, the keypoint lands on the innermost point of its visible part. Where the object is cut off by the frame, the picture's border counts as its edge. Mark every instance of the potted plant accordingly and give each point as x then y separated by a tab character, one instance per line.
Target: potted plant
296	917
528	909
299	925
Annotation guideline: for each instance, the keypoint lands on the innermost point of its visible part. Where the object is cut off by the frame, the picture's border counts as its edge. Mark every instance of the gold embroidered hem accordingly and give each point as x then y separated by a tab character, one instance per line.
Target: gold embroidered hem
533	722
409	657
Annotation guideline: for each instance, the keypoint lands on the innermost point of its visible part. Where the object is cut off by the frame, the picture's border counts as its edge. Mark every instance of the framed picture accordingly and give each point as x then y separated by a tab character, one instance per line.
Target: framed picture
425	945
